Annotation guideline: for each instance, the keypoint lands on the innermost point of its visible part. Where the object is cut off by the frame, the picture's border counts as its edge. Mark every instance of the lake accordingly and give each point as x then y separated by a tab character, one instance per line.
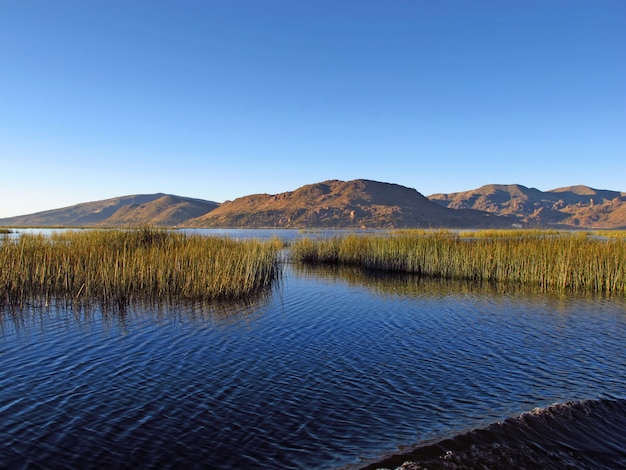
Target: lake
332	369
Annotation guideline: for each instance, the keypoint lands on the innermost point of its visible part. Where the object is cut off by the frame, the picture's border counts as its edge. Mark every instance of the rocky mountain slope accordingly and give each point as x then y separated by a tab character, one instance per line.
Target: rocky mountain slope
343	204
142	209
568	207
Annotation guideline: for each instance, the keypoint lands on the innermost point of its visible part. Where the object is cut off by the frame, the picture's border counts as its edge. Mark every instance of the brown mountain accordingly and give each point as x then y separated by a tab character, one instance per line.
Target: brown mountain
142	209
352	204
569	207
343	204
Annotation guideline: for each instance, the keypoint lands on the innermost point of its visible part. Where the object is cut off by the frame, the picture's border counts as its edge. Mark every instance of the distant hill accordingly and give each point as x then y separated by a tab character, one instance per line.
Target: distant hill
351	204
343	204
141	209
569	207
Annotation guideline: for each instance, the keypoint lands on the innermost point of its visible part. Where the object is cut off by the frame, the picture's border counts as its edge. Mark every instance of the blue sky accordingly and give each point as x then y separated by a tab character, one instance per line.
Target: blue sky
218	99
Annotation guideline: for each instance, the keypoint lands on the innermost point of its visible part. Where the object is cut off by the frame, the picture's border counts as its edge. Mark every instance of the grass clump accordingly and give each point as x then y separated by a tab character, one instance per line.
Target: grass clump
552	262
117	266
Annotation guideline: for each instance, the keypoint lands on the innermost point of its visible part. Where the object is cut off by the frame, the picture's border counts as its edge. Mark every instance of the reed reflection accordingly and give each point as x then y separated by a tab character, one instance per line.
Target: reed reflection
82	313
408	285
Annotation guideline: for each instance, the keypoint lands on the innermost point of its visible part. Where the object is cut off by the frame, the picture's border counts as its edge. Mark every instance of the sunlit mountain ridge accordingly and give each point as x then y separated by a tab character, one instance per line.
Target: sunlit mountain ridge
357	203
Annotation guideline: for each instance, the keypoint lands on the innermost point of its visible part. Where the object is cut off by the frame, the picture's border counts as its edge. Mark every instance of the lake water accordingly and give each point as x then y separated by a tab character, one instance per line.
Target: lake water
333	369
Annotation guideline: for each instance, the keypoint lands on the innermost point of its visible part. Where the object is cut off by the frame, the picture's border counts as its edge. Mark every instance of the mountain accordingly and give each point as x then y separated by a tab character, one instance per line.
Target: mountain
352	204
569	207
141	209
343	204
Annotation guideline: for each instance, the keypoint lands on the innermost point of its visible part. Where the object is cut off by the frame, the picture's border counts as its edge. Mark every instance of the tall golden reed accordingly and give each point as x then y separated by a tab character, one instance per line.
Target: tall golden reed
122	265
549	260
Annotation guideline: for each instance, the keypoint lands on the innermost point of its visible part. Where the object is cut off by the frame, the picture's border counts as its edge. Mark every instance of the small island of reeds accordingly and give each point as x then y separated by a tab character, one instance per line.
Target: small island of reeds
118	266
549	260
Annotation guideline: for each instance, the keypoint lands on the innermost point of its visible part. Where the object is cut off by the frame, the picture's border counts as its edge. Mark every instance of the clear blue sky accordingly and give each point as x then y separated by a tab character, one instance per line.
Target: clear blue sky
218	99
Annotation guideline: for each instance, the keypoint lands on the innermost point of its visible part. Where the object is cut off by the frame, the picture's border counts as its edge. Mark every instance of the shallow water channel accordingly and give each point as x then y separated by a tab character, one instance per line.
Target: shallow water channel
334	368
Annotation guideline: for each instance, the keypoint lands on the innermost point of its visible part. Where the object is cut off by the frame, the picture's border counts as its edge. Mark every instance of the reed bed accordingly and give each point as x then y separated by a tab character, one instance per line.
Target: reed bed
117	266
552	262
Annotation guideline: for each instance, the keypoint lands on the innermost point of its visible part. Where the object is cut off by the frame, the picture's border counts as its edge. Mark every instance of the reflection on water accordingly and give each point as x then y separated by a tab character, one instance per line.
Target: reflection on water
406	285
118	315
332	369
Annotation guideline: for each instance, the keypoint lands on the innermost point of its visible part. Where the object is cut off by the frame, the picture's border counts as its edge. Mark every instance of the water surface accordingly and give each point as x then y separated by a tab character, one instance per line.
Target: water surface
333	369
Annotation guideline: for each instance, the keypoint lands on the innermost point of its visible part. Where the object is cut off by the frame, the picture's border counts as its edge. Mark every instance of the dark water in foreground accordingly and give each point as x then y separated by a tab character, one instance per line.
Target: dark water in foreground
332	370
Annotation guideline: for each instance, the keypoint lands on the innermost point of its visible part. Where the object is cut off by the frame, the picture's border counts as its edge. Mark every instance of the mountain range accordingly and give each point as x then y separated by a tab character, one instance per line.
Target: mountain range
568	207
351	204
